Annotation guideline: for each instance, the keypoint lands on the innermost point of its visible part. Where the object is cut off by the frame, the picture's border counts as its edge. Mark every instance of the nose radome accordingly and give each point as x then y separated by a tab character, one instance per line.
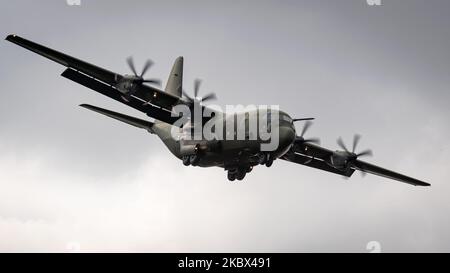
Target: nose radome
287	136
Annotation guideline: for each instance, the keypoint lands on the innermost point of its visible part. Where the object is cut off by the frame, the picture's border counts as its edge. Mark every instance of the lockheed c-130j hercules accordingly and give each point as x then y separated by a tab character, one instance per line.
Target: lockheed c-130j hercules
236	156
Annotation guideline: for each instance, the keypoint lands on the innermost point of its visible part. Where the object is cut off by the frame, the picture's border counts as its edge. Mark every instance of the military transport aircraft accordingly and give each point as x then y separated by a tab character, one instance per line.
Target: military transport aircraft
237	157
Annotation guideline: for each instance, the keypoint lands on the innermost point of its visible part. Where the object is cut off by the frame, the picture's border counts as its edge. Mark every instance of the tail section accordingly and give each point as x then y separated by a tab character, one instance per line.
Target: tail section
175	82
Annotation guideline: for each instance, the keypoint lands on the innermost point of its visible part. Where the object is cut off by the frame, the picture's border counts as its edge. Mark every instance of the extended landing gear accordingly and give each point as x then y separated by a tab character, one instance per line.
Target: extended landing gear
194	159
238	173
191	160
186	161
266	159
231	176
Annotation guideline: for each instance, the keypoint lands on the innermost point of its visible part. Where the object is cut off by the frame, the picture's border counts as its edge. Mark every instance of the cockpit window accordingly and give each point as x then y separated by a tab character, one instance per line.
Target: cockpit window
286	118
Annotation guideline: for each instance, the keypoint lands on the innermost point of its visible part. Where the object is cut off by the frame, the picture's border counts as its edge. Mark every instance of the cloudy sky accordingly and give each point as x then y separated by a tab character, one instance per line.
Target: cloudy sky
71	179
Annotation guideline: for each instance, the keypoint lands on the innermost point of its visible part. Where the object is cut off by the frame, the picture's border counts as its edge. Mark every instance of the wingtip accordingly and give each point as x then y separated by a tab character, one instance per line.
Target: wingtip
84	105
10	37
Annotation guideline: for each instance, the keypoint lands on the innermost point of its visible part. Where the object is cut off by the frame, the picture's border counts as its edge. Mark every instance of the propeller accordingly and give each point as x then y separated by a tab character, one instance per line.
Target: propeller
140	78
301	139
352	154
207	97
301	119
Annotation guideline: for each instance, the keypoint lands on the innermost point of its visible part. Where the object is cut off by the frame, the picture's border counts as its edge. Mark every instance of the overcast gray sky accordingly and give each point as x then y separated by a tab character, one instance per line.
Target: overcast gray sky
70	178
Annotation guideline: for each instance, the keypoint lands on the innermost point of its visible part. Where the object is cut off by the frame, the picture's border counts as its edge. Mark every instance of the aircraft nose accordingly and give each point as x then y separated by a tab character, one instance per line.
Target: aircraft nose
287	137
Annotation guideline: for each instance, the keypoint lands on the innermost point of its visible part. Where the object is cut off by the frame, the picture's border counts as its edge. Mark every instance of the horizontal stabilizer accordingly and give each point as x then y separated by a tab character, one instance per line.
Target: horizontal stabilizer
147	125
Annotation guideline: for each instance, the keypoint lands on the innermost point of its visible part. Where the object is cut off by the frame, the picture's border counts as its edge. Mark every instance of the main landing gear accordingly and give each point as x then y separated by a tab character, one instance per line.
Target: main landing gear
238	173
266	159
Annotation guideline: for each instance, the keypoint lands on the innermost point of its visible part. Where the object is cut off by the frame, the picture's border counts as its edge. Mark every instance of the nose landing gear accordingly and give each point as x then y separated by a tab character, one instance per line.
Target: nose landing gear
191	160
266	159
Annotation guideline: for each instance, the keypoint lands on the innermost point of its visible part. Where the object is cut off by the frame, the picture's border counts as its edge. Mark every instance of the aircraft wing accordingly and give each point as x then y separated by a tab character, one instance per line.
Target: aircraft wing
369	168
315	156
152	101
313	150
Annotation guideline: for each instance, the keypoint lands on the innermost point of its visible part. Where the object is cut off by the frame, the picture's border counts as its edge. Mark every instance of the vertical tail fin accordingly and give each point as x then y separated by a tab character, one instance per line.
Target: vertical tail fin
175	82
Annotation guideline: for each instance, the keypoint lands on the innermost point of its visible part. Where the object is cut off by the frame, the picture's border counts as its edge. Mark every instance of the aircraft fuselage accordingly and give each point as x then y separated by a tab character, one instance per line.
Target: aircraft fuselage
237	156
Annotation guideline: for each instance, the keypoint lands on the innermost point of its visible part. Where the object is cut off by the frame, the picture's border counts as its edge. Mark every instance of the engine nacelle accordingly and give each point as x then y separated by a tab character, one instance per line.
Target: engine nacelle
338	160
